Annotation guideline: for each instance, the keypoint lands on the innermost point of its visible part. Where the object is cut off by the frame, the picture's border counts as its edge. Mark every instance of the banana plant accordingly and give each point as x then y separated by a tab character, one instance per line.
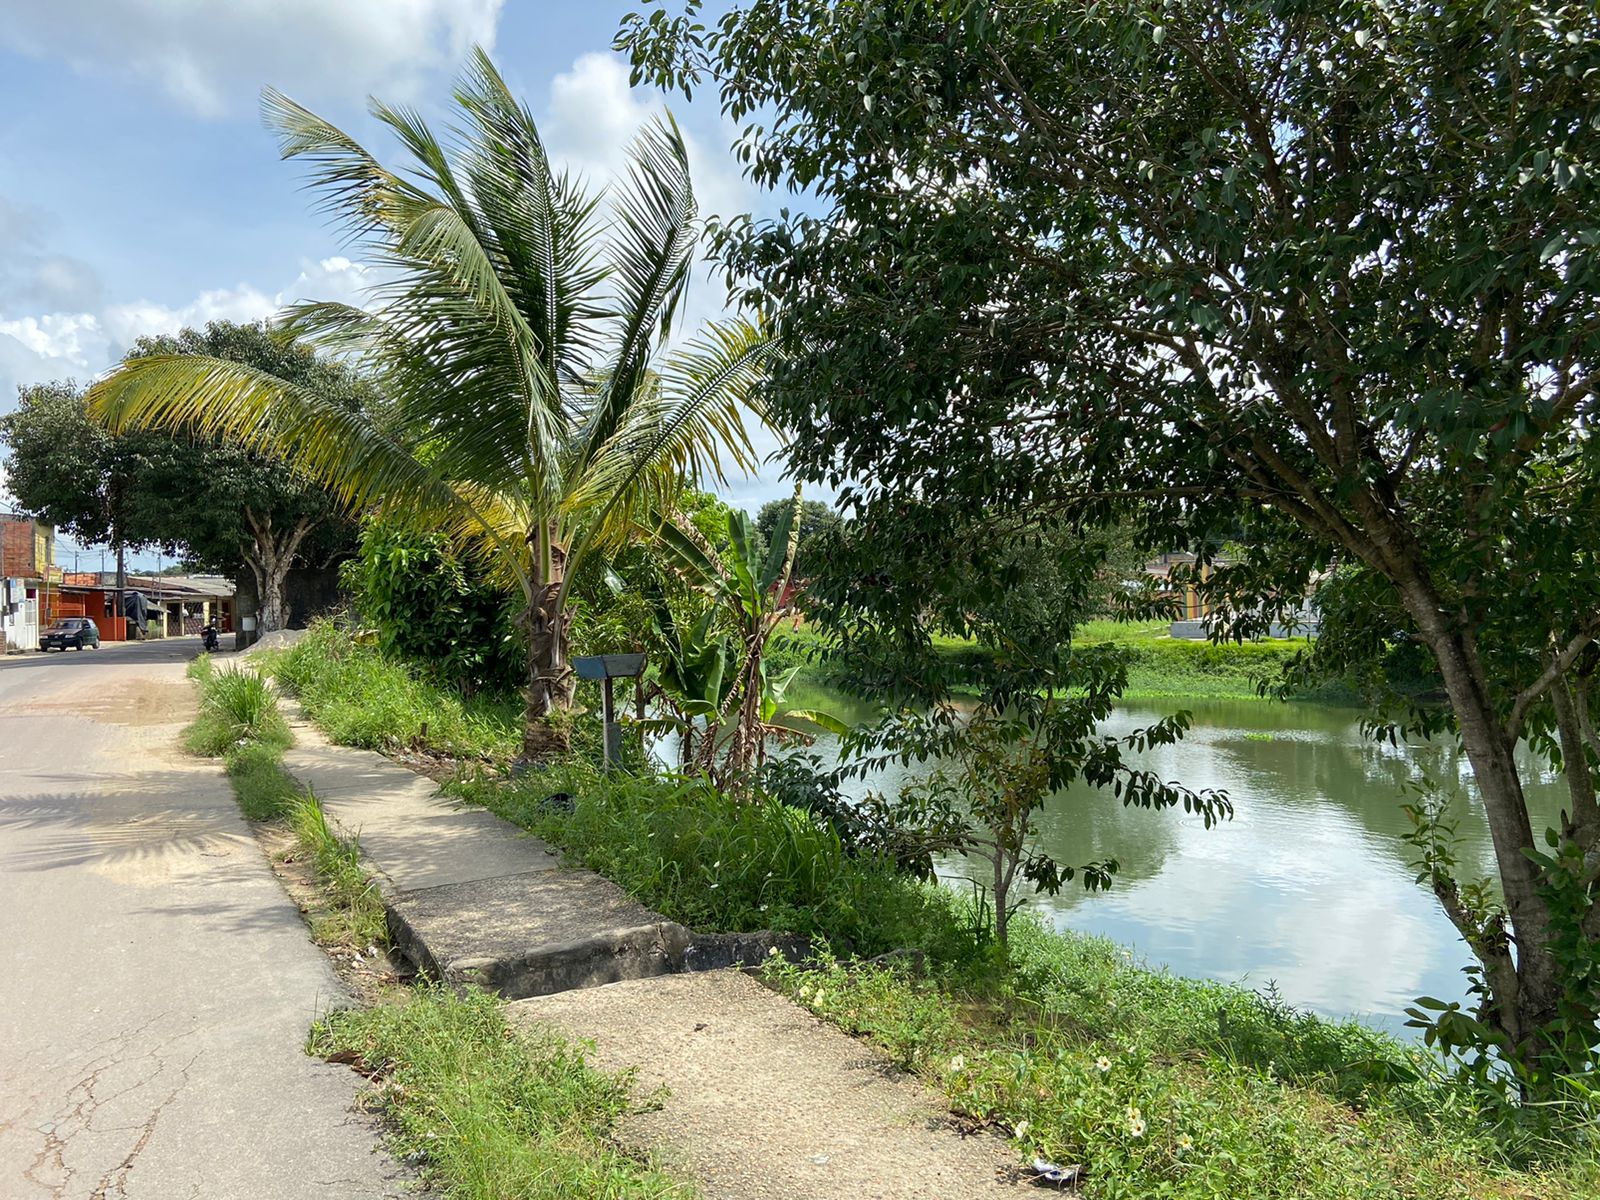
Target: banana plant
722	678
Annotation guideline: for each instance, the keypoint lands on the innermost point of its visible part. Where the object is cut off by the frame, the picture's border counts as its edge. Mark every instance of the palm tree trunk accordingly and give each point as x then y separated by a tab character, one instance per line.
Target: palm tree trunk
546	732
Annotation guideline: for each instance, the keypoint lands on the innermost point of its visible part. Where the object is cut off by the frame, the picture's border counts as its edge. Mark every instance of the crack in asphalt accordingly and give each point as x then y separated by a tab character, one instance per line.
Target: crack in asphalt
52	1168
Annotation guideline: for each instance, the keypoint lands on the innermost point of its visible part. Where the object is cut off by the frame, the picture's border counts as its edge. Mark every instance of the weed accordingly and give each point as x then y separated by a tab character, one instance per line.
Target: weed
1160	1086
355	913
263	788
360	697
236	707
714	862
489	1111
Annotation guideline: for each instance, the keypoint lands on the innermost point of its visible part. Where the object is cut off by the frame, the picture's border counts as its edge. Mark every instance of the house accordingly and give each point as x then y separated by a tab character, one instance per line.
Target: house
27	562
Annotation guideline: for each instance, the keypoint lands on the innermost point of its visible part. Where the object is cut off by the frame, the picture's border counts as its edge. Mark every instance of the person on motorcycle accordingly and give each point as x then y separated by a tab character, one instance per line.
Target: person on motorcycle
208	637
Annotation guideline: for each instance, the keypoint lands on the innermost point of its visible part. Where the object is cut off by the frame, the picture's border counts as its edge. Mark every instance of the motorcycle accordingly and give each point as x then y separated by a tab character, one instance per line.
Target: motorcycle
209	640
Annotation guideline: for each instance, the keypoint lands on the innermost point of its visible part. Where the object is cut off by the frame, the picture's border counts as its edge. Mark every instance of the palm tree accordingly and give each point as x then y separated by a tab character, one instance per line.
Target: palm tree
538	413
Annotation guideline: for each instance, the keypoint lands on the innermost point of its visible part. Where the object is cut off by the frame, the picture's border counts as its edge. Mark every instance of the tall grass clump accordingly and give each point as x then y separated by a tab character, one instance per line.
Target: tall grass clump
714	862
490	1111
355	911
360	697
237	708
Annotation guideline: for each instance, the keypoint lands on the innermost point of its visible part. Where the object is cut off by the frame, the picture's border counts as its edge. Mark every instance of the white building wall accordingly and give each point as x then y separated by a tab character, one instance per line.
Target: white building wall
19	614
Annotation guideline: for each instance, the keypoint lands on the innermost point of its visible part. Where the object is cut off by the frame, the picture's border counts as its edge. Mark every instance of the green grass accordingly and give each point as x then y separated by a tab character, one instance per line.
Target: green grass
359	697
237	708
714	862
265	791
1160	666
491	1112
354	914
239	721
1162	1086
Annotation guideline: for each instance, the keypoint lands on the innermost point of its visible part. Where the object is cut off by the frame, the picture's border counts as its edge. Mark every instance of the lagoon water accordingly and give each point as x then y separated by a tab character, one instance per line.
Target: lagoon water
1308	888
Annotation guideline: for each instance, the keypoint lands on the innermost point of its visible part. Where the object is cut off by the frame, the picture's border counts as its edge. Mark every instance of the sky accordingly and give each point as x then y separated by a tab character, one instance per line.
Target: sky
140	192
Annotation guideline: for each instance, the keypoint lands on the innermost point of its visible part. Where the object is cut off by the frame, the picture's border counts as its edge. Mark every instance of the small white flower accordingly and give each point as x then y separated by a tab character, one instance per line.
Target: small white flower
817	999
772	952
958	1064
805	992
1022	1128
1185	1143
717	865
1102	1064
1133	1112
1136	1127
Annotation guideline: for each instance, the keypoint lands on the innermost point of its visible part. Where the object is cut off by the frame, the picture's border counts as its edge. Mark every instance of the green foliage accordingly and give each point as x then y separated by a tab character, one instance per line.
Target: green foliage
265	791
1155	1085
719	863
814	525
432	608
237	708
361	697
490	1111
355	914
713	677
998	764
215	501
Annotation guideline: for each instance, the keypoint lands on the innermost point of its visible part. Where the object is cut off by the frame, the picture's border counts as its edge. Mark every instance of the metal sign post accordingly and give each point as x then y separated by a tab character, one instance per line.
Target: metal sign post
605	668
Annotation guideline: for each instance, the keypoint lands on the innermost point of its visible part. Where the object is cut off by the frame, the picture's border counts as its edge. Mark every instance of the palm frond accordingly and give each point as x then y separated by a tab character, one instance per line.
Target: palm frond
654	237
680	428
335	447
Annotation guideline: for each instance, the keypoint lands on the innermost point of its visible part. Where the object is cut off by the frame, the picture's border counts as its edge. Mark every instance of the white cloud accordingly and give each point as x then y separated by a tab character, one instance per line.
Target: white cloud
213	58
593	115
32	277
56	345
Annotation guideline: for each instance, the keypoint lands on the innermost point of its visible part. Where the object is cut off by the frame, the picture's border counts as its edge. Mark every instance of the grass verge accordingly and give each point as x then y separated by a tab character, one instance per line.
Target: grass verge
713	862
1144	1084
1151	1084
360	697
488	1111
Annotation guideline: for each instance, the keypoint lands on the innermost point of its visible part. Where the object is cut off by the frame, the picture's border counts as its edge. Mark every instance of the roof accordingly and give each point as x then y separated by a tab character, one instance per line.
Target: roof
156	587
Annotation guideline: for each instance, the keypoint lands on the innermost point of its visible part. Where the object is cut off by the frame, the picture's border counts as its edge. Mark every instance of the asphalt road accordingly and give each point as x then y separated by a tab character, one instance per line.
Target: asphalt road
156	983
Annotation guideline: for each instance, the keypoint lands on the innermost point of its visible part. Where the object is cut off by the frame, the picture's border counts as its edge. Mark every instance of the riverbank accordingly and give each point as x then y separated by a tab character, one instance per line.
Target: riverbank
1159	667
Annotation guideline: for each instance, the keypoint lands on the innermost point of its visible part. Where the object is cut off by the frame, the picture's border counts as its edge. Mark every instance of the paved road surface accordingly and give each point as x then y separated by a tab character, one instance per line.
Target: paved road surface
156	983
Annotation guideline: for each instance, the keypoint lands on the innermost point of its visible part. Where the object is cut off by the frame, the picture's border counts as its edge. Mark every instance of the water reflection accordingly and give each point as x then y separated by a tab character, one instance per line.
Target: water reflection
1308	886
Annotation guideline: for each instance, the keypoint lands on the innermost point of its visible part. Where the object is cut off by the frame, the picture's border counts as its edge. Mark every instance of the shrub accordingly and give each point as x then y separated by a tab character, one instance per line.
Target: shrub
435	610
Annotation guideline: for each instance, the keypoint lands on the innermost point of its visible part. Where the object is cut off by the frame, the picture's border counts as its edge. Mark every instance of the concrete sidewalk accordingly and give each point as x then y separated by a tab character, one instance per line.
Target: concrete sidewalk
763	1099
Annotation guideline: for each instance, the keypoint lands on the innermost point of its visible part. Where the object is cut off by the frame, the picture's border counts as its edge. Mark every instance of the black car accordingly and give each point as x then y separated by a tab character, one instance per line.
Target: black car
76	632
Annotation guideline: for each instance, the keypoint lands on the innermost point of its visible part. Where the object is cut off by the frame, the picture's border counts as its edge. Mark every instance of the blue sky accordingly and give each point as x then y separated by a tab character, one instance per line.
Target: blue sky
139	191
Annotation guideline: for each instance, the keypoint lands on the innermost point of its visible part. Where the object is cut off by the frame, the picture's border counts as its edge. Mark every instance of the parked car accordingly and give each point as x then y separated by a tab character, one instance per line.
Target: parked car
77	632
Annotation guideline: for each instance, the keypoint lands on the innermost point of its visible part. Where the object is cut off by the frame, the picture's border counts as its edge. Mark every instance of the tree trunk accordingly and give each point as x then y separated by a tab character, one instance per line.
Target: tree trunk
551	682
1527	988
270	557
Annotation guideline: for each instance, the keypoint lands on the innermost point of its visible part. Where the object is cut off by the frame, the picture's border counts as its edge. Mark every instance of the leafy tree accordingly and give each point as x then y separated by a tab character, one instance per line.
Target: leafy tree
1325	274
536	411
814	524
215	502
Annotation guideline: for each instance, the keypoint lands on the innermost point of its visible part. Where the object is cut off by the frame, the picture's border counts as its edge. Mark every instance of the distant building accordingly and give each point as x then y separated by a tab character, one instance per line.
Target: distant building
161	605
1195	611
27	561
